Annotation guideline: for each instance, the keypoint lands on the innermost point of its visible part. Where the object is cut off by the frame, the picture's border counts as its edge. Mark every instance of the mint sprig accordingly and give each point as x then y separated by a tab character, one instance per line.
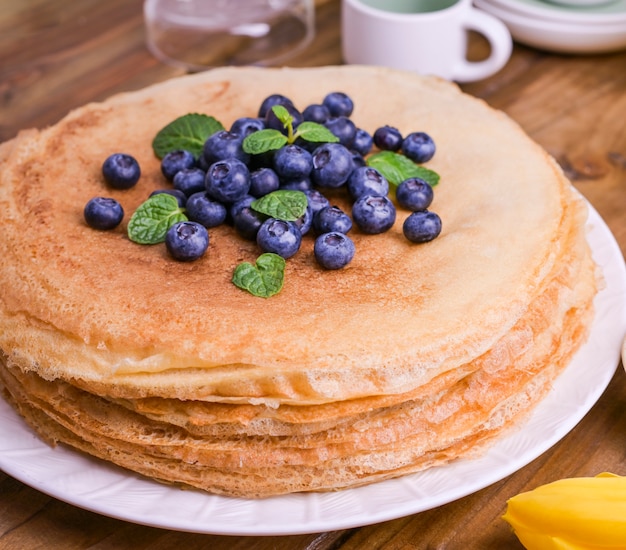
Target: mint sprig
188	132
264	279
283	204
150	222
396	168
271	139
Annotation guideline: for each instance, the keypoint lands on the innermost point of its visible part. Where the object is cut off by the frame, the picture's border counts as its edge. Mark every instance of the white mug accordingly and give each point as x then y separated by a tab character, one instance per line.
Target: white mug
425	36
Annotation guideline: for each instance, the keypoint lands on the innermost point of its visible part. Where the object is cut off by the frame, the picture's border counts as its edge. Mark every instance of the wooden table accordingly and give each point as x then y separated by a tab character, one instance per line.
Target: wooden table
58	54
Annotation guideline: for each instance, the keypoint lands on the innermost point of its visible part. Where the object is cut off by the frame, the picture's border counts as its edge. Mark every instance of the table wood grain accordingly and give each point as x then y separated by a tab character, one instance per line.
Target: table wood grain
56	55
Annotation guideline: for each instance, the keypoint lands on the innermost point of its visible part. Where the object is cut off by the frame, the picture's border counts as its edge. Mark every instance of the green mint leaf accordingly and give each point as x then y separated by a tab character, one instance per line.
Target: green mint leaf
397	168
312	131
187	132
263	141
150	222
282	204
283	115
263	279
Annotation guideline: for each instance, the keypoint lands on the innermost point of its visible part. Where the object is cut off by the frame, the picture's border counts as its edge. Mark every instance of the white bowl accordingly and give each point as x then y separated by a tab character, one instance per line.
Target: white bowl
562	37
611	14
580	2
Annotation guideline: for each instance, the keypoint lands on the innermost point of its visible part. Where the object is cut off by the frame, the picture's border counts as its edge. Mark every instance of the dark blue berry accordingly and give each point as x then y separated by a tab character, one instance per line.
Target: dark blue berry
247	222
121	171
363	142
186	241
245	126
280	237
292	162
316	113
374	214
358	160
189	180
175	161
224	145
176	193
228	180
263	181
367	181
235	207
316	200
339	104
200	208
332	219
270	101
332	165
297	184
103	213
422	226
419	147
333	250
414	194
388	138
305	222
343	128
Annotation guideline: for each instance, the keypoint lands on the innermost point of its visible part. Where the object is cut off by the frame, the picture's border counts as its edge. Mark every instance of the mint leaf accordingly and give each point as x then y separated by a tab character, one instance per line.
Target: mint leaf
150	222
283	115
263	141
312	131
187	132
263	279
397	168
282	204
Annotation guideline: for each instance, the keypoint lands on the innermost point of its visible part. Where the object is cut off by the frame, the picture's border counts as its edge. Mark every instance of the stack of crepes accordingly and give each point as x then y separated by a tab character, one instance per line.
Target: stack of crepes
411	356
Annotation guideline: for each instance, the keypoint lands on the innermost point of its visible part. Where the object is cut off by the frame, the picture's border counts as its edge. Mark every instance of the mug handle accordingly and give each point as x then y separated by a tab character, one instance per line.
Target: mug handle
500	41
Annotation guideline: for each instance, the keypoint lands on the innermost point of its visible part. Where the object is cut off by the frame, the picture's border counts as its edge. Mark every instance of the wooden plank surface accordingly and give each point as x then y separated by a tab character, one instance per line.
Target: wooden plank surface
56	55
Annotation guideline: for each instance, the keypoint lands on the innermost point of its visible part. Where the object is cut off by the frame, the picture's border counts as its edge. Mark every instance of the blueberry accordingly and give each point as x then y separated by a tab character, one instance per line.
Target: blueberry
374	214
363	142
332	219
297	184
388	138
414	194
200	208
305	222
332	165
292	162
333	250
121	171
270	101
263	181
247	222
186	241
179	195
273	122
175	161
228	180
339	104
235	207
103	213
358	160
280	237
316	200
316	113
189	180
245	126
422	226
367	181
223	145
343	128
419	147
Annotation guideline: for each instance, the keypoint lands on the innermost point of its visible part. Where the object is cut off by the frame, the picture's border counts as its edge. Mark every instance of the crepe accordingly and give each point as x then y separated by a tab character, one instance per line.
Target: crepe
410	356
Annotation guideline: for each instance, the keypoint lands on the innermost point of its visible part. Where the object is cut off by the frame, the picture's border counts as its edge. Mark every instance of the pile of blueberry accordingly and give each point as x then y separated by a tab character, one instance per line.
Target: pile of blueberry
223	183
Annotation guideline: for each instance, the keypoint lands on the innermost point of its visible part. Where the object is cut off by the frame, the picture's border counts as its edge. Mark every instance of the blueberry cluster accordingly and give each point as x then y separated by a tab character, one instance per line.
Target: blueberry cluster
223	183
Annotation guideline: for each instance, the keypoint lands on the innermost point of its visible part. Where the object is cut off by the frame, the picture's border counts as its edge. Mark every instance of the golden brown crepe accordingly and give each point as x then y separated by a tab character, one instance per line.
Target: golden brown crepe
410	356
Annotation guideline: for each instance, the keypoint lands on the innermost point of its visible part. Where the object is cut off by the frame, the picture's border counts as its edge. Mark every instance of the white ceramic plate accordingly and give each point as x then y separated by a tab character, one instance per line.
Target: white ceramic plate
609	13
100	487
563	37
